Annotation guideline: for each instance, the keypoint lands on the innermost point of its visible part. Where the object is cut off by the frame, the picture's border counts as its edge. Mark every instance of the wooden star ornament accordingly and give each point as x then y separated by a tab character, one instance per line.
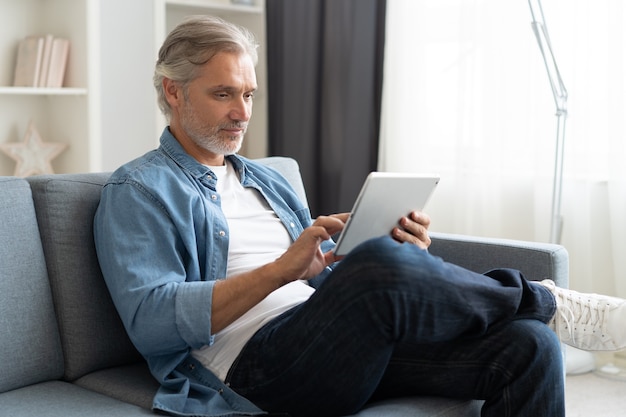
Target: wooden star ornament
33	155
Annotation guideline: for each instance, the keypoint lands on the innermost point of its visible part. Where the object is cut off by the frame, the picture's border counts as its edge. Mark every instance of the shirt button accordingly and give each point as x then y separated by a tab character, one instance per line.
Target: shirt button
222	233
292	224
213	197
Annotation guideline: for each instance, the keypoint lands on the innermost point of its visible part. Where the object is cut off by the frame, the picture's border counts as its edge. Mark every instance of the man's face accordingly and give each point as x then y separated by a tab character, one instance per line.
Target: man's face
212	113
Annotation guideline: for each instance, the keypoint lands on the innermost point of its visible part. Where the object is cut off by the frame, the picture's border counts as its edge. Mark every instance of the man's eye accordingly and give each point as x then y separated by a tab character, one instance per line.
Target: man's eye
249	96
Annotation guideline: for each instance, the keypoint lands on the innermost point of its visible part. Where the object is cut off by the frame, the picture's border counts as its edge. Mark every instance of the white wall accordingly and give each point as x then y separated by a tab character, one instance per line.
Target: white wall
127	61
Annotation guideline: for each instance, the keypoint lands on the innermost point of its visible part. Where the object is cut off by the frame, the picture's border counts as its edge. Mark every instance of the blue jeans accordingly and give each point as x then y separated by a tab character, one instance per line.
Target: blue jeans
392	320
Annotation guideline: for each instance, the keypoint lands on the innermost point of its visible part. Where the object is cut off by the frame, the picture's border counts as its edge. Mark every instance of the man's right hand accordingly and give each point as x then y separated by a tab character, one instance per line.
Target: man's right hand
304	259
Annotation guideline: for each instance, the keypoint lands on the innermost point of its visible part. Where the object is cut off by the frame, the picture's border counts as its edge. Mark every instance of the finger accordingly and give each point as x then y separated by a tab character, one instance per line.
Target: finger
416	222
422	241
341	216
420	218
331	258
316	232
411	226
332	224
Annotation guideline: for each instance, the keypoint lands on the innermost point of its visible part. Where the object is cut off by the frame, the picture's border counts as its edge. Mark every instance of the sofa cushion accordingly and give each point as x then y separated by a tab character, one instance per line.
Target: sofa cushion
92	333
422	407
130	383
30	348
62	399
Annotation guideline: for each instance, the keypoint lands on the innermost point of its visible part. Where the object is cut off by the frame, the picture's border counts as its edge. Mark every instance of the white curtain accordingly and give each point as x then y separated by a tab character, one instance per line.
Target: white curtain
466	95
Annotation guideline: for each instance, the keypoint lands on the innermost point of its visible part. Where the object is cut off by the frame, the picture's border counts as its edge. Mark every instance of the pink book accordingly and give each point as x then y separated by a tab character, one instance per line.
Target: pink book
58	62
28	64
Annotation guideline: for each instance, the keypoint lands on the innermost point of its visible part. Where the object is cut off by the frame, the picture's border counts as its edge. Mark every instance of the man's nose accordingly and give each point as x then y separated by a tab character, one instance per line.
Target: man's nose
241	110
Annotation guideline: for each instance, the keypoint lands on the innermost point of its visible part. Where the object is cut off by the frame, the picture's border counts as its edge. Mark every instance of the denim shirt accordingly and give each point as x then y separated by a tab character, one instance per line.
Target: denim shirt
162	243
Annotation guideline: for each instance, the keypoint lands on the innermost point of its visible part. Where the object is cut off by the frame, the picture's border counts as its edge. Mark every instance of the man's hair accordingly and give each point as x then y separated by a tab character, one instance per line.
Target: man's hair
193	43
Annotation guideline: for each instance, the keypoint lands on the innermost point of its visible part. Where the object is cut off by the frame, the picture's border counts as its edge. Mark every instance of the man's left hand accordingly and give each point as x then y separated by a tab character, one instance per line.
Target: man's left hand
413	229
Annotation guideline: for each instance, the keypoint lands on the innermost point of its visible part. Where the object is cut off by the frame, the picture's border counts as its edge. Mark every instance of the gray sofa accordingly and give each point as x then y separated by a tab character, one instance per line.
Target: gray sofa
63	348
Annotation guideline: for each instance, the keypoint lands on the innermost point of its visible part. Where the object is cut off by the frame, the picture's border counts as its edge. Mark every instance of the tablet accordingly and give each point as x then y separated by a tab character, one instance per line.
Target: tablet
384	198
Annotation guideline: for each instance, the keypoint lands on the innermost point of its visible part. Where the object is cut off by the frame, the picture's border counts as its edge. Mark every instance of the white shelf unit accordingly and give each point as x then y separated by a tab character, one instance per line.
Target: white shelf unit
168	13
68	114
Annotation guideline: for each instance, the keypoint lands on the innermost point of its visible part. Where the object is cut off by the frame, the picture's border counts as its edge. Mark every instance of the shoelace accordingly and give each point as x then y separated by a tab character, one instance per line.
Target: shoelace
592	314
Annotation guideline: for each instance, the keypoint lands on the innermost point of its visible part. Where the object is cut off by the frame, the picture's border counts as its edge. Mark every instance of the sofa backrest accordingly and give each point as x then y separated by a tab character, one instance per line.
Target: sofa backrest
290	169
30	348
92	334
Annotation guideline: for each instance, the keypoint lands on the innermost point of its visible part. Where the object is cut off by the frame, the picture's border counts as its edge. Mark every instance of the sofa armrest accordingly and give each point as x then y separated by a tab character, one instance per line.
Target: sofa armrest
535	260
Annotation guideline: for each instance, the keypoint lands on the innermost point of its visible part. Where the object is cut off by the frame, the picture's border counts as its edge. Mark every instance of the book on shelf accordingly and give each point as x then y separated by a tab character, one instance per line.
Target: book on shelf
58	62
45	60
41	61
28	64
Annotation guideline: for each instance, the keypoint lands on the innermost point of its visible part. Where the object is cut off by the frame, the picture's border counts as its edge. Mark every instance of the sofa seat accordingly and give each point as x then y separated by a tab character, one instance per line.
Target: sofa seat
422	406
63	399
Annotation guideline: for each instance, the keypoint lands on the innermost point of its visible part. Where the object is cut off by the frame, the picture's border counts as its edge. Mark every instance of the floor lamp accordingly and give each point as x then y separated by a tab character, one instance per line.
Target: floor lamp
560	100
576	361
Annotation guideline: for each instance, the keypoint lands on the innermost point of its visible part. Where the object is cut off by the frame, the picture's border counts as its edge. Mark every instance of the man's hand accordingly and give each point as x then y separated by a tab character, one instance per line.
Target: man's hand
304	259
413	229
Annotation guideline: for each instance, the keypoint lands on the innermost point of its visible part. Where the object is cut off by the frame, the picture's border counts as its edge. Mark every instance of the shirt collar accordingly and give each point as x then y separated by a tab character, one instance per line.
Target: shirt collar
173	148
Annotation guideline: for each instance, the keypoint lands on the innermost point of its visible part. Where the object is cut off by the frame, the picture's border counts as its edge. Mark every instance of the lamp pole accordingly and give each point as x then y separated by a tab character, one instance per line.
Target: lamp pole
559	92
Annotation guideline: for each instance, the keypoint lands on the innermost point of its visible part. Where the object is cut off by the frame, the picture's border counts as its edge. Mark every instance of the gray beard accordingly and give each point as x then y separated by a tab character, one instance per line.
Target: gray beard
211	141
216	145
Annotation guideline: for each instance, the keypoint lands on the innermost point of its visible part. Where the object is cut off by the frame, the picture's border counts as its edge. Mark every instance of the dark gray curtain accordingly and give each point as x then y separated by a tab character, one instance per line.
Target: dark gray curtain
325	64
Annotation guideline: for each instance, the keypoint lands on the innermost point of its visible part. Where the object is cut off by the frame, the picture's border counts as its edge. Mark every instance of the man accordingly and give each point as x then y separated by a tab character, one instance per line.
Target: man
233	295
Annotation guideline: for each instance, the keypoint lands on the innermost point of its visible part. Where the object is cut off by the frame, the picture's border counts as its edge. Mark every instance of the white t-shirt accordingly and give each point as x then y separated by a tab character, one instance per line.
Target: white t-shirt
257	237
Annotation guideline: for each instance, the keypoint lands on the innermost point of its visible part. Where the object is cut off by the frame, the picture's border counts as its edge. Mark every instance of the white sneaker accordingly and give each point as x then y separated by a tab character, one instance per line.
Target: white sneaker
588	321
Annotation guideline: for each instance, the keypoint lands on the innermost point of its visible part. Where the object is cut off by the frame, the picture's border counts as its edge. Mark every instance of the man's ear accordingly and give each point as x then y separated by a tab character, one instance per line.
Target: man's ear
173	92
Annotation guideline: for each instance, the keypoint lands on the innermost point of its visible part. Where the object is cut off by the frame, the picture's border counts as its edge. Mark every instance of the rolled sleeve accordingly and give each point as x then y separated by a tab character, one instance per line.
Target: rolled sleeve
193	313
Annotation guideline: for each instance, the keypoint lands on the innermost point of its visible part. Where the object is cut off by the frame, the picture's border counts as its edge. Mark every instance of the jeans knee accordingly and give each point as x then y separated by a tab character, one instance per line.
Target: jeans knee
544	338
384	262
388	253
535	342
